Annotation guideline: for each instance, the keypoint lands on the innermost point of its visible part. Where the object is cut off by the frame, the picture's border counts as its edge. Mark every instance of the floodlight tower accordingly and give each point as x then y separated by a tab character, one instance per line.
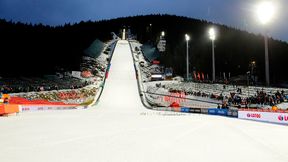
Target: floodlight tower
212	36
187	38
265	12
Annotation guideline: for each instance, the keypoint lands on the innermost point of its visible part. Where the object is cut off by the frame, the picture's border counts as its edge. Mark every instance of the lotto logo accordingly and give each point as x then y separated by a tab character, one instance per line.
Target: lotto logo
283	118
253	115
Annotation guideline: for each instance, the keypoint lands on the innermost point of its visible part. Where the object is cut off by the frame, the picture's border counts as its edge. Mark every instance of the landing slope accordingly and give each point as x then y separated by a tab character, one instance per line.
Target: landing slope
120	129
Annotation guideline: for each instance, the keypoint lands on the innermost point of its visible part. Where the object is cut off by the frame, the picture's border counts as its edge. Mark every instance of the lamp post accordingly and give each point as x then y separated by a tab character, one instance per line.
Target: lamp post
265	12
187	38
212	36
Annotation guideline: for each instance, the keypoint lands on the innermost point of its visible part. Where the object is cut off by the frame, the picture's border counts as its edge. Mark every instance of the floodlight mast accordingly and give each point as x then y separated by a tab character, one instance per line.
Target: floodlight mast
187	38
212	36
265	12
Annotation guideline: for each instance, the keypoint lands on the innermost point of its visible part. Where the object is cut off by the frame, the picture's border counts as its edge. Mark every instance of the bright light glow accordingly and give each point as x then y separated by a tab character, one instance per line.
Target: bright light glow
187	37
162	33
123	34
265	12
212	34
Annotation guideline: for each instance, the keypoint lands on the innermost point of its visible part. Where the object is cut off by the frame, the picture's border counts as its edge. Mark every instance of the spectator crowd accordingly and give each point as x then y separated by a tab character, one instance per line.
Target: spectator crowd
229	95
37	84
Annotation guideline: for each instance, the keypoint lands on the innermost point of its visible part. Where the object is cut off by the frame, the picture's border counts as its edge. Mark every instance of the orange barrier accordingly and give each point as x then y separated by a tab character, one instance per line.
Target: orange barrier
6	109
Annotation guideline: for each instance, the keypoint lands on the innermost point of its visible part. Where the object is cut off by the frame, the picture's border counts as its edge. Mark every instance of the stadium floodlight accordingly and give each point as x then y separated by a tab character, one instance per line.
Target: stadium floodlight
212	36
265	11
163	34
187	38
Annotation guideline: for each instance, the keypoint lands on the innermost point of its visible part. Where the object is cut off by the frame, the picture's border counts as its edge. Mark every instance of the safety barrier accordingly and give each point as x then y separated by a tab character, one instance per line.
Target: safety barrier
195	110
221	112
185	109
210	111
204	111
25	108
19	104
233	113
6	109
279	117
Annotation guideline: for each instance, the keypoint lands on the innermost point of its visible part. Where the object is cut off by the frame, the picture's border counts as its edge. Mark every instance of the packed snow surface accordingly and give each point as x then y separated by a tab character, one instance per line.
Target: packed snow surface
119	128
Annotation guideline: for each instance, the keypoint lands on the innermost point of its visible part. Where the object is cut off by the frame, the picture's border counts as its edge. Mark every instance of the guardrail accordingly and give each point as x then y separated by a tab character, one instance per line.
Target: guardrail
139	79
279	117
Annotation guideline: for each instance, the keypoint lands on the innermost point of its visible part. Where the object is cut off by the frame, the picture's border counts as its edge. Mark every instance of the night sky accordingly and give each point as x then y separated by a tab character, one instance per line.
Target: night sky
236	13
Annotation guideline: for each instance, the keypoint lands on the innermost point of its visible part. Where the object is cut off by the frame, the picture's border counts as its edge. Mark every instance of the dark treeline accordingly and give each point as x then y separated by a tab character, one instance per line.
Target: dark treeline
34	50
234	49
38	49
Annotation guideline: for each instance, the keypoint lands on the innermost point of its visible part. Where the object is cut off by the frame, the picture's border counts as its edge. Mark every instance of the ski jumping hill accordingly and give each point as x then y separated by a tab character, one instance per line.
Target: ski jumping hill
119	128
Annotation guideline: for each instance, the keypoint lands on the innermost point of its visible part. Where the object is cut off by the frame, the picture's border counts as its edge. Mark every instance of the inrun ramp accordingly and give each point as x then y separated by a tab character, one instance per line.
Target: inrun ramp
119	129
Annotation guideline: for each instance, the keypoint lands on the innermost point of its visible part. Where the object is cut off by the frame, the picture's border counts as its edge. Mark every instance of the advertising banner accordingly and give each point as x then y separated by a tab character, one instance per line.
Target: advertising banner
185	109
222	112
204	111
232	113
23	108
214	111
273	117
195	110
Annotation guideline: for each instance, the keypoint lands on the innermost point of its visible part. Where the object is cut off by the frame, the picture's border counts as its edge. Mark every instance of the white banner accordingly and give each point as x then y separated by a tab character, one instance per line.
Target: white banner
23	108
273	117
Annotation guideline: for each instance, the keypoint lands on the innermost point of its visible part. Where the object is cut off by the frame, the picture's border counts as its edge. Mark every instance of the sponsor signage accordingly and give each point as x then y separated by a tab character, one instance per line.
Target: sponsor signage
222	112
24	108
204	111
195	110
273	117
185	109
232	113
214	111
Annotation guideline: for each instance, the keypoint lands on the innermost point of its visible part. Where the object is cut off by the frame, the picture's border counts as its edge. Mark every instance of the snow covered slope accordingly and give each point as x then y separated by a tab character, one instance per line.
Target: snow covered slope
121	90
120	129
